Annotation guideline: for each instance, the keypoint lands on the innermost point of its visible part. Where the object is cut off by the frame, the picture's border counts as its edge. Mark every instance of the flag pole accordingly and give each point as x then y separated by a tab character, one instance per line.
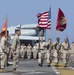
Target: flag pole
7	24
50	33
58	33
45	35
51	27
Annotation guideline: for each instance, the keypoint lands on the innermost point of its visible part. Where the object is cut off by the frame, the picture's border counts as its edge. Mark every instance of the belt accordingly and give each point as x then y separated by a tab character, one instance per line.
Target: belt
41	49
65	49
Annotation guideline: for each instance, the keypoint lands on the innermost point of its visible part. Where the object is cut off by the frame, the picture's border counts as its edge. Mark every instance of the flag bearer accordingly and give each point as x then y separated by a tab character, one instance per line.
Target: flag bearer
3	49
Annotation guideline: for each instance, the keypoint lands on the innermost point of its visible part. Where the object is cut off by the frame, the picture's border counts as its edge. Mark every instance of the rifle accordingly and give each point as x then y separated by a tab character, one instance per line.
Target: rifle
68	42
67	56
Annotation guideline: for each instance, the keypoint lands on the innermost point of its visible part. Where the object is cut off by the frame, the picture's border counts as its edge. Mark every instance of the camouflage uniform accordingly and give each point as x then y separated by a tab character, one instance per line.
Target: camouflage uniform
72	52
3	51
56	48
29	51
0	50
8	48
42	51
49	53
11	53
16	49
65	51
23	51
35	51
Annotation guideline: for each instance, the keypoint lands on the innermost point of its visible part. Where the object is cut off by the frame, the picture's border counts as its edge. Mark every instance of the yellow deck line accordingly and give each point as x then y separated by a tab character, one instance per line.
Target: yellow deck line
64	70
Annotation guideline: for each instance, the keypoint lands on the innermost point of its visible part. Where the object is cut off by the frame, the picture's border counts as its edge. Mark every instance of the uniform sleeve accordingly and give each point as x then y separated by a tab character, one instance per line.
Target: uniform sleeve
14	44
44	43
8	44
54	43
27	47
38	46
62	47
47	43
33	47
3	44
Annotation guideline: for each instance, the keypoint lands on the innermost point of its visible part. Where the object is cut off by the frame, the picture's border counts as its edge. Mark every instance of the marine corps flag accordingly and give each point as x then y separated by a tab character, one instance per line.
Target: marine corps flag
5	25
61	21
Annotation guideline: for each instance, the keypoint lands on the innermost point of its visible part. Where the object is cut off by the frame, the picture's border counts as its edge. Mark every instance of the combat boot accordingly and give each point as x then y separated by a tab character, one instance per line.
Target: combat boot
3	70
72	62
40	64
56	64
15	71
49	65
65	65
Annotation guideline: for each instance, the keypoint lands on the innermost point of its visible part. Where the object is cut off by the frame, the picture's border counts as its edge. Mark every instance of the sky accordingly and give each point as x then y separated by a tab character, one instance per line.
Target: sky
25	11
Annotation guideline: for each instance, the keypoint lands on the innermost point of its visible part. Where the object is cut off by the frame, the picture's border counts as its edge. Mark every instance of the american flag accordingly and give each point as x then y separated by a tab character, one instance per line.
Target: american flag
44	19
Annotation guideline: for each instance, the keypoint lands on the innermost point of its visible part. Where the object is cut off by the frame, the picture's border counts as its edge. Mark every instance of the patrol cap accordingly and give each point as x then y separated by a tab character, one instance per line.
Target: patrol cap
72	42
17	29
4	32
41	38
49	39
57	38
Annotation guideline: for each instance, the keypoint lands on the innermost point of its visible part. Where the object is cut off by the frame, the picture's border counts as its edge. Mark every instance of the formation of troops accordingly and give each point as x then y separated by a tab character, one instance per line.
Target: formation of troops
42	51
